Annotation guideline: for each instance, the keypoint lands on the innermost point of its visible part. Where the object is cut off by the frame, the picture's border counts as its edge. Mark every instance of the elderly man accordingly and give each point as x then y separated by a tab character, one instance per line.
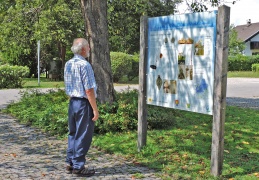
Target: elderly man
80	86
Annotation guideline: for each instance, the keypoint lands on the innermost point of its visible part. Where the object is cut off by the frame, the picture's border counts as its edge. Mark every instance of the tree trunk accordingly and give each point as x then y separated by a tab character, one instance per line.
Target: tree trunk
62	54
96	28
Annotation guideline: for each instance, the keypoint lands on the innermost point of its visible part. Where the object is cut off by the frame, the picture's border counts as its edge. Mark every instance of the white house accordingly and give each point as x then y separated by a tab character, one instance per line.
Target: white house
249	33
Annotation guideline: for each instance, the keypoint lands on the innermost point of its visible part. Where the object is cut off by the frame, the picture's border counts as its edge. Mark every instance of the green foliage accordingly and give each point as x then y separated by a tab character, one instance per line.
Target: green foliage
241	62
121	65
255	67
18	47
198	7
160	117
59	23
1	62
124	65
123	115
25	22
47	111
119	116
202	5
134	72
44	83
35	109
184	150
236	46
243	74
124	21
12	76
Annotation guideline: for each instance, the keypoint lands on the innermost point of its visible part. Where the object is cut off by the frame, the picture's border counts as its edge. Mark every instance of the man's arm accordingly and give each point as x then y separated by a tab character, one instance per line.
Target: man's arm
92	100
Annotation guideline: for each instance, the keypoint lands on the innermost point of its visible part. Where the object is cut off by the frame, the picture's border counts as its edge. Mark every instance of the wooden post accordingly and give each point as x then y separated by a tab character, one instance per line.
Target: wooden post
220	86
142	104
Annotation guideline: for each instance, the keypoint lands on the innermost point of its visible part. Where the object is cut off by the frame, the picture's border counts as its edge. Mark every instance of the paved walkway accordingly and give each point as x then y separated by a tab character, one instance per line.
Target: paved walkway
28	154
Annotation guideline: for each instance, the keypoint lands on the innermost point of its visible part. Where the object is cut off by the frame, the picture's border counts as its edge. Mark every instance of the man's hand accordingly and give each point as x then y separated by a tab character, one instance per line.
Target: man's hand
96	115
91	98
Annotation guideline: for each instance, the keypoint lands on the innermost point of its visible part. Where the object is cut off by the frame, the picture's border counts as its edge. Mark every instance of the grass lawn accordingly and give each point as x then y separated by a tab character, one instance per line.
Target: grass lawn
184	151
44	83
244	74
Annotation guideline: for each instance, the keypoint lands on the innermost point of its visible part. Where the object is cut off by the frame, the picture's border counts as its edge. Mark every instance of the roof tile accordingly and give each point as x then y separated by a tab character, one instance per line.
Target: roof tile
247	31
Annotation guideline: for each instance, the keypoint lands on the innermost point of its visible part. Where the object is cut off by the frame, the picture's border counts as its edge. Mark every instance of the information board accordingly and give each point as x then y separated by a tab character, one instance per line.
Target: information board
180	65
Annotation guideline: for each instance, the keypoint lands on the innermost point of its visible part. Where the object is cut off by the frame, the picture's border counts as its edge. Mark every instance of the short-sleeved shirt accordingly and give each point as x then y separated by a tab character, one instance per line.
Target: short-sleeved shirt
79	77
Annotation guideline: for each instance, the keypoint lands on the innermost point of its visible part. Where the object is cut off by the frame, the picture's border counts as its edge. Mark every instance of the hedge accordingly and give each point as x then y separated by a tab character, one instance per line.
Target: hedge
121	65
255	67
241	62
134	72
11	76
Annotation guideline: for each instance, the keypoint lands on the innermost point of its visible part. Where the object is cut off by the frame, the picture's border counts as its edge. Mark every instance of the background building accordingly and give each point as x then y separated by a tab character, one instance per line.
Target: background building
249	34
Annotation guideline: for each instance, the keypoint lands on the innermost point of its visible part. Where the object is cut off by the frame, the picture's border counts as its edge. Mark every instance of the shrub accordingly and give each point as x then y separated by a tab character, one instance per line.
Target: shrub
119	116
160	117
255	67
121	65
241	62
134	72
11	76
47	111
35	109
123	115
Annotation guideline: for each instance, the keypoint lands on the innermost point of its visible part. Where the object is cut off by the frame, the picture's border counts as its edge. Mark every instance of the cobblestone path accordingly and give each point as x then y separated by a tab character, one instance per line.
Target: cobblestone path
28	154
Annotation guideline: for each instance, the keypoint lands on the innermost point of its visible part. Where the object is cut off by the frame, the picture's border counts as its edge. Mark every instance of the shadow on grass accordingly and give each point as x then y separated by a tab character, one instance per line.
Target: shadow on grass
186	148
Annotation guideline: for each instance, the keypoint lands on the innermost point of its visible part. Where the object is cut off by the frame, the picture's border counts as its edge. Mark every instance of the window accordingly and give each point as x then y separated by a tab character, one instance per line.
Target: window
254	45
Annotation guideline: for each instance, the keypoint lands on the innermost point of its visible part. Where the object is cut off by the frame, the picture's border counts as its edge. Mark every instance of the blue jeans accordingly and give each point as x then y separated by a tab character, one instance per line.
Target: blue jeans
81	128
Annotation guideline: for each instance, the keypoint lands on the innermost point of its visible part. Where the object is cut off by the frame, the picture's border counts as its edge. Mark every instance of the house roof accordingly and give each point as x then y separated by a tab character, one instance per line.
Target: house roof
247	31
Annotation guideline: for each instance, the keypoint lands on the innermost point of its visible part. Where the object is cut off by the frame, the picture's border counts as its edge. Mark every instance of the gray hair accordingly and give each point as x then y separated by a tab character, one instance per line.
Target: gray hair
78	44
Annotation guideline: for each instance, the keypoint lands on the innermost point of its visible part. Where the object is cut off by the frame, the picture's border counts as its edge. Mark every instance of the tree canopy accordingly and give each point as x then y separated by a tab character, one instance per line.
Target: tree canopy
202	5
124	20
55	23
236	46
111	25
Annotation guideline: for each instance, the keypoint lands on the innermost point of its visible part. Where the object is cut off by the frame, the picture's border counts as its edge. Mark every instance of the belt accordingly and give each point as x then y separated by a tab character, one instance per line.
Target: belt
78	98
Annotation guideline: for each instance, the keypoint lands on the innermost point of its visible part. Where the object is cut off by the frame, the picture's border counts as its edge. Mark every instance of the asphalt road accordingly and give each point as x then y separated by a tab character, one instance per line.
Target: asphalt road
236	87
243	87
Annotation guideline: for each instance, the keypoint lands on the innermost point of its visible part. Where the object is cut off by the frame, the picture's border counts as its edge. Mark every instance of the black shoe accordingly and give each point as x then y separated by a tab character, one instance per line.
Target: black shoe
83	172
69	169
